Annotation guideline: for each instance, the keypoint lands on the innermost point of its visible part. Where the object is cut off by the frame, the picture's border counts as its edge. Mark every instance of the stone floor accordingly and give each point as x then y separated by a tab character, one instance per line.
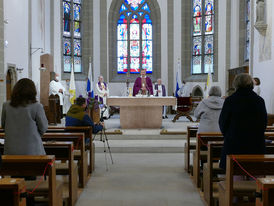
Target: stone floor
147	170
140	180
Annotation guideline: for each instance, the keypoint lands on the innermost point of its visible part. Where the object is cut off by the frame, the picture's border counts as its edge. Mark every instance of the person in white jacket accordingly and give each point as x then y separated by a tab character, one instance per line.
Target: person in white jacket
102	92
55	87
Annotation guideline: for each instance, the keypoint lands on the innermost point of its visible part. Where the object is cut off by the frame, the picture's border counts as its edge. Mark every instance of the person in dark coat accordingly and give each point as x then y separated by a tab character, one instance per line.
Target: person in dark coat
243	120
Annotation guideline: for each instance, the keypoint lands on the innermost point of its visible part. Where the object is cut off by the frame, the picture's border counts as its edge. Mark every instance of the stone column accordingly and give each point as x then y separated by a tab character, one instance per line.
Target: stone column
2	68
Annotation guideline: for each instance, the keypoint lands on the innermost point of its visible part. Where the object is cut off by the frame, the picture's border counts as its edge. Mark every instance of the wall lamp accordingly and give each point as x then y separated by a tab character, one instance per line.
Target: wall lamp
34	50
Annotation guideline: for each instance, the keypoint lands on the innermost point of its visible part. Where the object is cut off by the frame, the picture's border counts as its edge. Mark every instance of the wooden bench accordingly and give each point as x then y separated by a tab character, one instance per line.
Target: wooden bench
191	135
265	191
88	135
79	151
202	139
211	171
64	151
256	165
10	189
29	165
80	155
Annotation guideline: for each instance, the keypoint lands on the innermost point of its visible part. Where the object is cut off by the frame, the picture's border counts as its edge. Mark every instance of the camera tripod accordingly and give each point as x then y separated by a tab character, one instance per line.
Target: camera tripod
104	139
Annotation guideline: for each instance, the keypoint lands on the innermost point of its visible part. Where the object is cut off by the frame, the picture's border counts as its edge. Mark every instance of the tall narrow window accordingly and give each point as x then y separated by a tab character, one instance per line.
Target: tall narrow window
134	37
72	36
202	36
247	35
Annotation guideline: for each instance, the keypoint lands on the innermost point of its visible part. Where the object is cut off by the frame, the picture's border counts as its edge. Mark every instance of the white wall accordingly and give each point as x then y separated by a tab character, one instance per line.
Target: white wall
263	68
16	33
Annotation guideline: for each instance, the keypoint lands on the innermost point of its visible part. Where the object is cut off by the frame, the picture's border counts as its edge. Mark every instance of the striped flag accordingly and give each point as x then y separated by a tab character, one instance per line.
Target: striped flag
178	79
72	88
90	90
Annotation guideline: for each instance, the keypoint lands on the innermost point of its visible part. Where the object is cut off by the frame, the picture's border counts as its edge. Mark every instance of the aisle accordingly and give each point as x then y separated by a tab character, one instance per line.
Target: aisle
140	180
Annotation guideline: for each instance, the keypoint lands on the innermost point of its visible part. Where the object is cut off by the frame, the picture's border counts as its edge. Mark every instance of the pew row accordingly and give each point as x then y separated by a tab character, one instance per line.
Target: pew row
29	165
200	153
243	192
87	130
191	135
80	154
10	189
64	151
79	151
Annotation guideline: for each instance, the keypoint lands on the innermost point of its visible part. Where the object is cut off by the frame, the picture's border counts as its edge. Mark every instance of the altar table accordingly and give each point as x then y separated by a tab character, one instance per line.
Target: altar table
141	112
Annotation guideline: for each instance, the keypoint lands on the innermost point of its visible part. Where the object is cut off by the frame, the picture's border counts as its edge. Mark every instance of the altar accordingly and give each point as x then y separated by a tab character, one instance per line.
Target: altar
141	112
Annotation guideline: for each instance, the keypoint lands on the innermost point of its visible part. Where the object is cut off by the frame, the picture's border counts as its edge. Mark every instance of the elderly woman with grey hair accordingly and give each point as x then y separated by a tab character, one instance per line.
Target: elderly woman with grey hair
208	111
243	120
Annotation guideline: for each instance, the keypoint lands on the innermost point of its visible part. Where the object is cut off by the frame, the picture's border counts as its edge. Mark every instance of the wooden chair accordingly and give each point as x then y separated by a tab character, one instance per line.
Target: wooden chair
184	107
10	189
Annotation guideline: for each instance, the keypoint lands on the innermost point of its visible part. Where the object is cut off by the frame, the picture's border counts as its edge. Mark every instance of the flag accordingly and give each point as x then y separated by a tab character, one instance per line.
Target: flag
72	88
90	91
208	82
178	79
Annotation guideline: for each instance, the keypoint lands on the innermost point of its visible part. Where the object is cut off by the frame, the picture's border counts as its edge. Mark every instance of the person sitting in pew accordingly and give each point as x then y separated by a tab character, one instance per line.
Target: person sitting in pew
78	116
24	121
243	120
208	111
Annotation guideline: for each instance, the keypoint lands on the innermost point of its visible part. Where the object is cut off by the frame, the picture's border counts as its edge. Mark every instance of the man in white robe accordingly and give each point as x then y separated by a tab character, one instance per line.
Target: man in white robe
184	91
55	87
102	92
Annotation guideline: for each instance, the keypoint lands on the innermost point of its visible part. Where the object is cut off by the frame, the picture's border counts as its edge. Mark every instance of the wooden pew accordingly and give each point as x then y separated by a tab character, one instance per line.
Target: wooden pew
211	171
191	134
10	189
78	141
256	165
29	165
64	151
88	135
265	192
201	140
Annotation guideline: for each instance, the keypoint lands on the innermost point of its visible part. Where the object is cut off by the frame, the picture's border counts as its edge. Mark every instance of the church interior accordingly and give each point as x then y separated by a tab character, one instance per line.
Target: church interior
149	150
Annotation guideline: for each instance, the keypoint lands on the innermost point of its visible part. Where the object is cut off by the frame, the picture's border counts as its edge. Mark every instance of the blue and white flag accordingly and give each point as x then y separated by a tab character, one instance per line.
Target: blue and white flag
178	79
90	90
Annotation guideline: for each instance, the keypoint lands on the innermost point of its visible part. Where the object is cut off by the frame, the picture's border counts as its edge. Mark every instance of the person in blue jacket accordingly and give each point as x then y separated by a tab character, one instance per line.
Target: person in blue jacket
77	116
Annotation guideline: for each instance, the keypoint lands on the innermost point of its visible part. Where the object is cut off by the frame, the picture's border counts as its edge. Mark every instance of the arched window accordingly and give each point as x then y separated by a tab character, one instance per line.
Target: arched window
247	35
202	36
134	37
72	36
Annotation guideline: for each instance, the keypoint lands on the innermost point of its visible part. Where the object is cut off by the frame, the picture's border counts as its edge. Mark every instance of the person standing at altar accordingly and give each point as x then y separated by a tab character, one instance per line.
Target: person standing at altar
101	94
142	84
160	91
55	87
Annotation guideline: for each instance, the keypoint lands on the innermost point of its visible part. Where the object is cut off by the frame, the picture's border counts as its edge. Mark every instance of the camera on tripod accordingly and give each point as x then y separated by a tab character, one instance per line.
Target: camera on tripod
103	109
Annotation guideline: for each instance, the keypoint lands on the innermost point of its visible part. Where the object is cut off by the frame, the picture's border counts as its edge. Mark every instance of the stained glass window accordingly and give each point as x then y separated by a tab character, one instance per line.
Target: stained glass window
247	35
203	36
134	49
72	43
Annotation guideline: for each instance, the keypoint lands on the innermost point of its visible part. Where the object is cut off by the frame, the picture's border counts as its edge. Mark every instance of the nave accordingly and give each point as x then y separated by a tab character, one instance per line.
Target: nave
140	179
